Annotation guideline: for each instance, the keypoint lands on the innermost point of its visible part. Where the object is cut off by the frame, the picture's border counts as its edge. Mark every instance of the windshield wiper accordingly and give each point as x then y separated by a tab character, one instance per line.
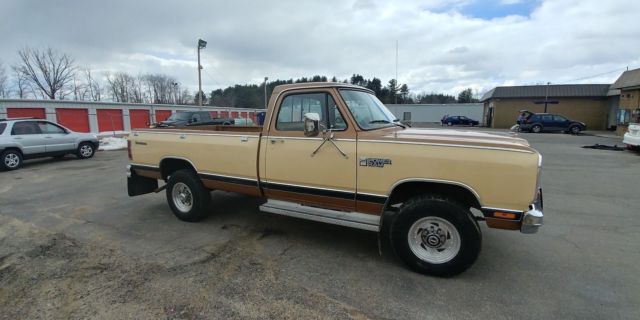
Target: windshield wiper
387	121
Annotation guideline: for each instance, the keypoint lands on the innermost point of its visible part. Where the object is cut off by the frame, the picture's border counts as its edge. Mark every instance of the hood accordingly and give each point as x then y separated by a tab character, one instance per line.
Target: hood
508	140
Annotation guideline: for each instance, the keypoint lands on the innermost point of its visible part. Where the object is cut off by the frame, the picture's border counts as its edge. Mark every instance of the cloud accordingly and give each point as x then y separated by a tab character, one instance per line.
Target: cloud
441	47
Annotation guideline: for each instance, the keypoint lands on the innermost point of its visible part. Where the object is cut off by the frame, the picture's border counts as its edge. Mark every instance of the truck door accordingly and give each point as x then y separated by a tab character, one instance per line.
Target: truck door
293	172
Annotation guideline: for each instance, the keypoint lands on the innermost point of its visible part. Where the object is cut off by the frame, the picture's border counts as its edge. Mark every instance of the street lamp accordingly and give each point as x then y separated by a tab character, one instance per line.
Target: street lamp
546	97
175	93
265	91
201	45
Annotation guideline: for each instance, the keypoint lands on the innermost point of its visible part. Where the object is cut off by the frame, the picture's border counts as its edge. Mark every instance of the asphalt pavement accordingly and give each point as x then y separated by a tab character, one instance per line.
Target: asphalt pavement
582	264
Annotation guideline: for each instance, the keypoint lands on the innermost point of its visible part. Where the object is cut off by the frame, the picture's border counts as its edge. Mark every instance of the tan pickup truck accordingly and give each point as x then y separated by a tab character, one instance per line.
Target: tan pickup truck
333	153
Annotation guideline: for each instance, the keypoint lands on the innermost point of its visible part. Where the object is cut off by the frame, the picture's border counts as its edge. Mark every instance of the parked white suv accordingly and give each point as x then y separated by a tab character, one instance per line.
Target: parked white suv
632	137
36	138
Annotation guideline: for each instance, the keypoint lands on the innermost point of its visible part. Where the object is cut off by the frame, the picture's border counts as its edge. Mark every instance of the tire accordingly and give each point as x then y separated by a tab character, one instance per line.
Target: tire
449	123
187	197
536	128
86	150
11	160
452	245
574	130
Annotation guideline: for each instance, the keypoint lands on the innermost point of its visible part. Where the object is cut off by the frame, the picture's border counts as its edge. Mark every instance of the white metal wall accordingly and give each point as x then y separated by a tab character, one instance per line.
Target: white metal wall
427	113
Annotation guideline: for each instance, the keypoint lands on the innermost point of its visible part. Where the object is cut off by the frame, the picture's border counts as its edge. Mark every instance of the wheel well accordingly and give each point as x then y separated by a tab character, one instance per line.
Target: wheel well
170	165
13	148
408	190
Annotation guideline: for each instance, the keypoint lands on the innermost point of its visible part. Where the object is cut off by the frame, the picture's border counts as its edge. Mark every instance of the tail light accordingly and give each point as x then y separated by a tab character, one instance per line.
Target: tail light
129	149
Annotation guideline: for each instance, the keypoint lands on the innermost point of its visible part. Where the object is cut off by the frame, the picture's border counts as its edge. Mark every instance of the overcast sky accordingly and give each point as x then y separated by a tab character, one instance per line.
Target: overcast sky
444	46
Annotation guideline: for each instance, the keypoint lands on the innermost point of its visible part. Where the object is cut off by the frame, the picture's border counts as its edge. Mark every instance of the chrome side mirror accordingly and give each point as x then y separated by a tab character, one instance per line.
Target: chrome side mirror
311	124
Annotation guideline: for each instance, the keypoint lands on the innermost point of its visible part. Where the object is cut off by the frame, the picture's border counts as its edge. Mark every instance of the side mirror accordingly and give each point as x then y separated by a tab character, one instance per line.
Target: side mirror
311	124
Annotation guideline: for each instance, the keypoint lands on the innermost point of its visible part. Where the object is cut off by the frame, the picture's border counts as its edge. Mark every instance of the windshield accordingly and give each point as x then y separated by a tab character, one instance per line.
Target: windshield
368	111
184	116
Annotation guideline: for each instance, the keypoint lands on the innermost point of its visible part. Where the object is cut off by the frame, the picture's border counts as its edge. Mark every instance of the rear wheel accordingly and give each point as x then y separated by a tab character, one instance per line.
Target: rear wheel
436	236
11	159
188	198
449	123
536	128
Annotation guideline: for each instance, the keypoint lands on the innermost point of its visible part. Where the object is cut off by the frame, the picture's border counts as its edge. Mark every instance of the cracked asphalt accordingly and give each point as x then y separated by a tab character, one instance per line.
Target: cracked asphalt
74	245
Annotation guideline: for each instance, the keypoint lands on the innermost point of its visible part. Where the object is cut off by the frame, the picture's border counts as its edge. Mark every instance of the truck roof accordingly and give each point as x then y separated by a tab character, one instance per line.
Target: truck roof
284	87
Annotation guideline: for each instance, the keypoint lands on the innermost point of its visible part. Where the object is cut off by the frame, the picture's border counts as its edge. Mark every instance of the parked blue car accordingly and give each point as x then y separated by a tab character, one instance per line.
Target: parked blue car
458	120
539	122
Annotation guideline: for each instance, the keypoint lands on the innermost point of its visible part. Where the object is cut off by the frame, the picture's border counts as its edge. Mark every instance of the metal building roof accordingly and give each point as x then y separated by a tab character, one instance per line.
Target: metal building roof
627	79
554	90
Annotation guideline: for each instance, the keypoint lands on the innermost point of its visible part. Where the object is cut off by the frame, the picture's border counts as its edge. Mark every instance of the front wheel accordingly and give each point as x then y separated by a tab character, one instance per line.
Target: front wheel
574	130
436	236
188	198
85	150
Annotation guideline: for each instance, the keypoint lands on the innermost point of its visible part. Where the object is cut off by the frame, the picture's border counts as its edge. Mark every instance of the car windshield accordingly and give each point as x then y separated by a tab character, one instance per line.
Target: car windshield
179	116
368	111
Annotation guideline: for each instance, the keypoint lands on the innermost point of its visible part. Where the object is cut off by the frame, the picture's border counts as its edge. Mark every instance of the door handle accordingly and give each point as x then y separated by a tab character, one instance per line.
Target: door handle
274	140
17	138
48	137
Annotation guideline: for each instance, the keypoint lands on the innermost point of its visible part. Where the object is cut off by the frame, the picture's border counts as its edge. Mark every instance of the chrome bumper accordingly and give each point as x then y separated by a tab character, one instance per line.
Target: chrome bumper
128	171
532	220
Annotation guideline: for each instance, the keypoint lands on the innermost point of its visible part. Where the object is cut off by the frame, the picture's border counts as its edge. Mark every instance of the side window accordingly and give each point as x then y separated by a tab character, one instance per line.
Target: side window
2	126
559	118
25	127
50	128
547	118
293	107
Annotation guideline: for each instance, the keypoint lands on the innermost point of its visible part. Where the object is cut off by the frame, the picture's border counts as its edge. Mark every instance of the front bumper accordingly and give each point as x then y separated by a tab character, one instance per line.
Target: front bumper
631	140
533	218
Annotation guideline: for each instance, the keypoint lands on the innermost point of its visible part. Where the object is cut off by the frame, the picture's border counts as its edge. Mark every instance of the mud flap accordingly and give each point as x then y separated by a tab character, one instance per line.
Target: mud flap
137	185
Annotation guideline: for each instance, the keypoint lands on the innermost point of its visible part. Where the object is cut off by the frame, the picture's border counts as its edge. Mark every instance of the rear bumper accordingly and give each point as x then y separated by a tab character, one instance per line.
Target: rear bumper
532	219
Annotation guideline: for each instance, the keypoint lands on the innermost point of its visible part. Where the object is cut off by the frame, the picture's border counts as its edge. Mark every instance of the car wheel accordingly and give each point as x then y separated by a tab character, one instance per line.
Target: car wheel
188	198
11	160
536	128
574	130
85	150
436	236
449	123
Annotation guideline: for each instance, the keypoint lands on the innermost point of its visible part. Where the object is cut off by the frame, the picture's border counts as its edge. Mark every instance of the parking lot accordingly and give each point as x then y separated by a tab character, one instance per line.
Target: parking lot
74	245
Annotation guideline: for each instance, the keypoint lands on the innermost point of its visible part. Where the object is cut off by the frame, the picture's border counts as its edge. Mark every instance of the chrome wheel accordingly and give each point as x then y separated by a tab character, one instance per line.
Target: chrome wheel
86	151
434	240
575	130
11	160
182	197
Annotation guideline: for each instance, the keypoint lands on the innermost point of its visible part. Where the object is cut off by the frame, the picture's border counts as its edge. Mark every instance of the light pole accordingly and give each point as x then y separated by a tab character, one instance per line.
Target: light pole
546	97
265	91
201	45
175	93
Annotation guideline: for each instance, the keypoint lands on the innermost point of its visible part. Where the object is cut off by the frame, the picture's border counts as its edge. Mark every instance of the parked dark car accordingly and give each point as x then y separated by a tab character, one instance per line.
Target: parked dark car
458	120
539	122
192	118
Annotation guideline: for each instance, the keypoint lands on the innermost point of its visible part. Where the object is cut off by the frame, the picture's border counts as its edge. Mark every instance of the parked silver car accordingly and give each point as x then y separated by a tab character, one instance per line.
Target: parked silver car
22	139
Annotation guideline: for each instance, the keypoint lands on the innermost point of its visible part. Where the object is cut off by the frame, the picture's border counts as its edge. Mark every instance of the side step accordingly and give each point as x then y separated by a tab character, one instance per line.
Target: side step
348	219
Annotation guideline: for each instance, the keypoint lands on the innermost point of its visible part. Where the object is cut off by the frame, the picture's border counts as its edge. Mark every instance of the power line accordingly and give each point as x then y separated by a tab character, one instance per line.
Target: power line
597	75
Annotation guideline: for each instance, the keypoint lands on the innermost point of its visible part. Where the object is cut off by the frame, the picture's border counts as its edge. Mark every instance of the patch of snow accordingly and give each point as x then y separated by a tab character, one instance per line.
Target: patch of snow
112	143
112	134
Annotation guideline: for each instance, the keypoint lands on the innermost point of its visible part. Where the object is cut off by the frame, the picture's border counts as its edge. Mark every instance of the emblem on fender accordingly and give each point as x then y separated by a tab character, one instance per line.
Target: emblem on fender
374	162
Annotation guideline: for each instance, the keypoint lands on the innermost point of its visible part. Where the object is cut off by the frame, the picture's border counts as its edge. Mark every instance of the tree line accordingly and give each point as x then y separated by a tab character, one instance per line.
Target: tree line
50	74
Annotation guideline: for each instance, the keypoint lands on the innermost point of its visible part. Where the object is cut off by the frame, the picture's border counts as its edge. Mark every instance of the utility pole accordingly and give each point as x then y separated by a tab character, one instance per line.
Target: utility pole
395	90
201	45
546	97
265	91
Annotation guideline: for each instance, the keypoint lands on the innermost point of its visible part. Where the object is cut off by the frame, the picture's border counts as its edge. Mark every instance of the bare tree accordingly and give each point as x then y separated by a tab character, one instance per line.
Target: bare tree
4	85
22	87
47	70
120	85
93	90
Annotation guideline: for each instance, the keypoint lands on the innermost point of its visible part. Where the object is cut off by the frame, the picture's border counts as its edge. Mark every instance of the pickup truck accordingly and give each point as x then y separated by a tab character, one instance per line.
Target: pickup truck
333	153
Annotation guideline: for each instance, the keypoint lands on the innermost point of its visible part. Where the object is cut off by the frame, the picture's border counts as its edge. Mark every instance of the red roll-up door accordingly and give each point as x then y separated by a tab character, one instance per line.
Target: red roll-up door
162	115
37	113
139	118
110	120
74	119
234	114
243	114
252	115
224	114
214	114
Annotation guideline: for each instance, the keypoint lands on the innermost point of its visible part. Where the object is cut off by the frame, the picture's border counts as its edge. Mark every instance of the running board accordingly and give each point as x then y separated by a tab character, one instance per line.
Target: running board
348	219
